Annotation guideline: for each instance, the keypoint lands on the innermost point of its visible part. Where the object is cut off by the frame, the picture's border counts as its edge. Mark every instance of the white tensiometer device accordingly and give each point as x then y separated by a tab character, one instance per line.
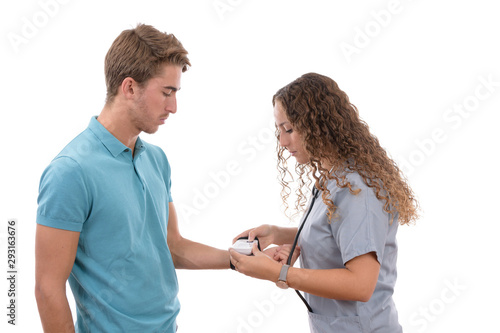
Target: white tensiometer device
244	246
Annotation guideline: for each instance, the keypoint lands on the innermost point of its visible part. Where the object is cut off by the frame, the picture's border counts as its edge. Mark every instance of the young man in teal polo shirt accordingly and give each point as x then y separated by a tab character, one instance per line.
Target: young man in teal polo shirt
106	220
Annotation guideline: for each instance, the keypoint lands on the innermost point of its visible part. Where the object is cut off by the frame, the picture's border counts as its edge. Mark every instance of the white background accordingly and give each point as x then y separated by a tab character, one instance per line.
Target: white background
412	71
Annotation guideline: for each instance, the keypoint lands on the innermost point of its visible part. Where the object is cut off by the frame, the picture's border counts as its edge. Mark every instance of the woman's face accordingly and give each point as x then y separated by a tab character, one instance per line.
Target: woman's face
288	137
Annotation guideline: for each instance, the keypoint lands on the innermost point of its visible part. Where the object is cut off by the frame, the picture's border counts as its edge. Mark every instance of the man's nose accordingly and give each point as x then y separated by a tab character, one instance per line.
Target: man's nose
172	105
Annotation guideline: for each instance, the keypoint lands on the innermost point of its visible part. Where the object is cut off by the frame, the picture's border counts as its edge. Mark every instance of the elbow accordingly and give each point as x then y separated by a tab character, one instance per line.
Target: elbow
40	288
356	296
176	250
41	292
364	294
38	293
365	298
46	290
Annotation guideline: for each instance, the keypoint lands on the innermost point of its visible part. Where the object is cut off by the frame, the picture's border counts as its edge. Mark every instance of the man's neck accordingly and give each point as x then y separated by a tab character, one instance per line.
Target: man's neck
119	126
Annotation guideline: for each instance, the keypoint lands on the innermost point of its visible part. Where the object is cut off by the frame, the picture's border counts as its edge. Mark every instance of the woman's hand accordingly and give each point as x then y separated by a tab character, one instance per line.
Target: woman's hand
265	234
259	265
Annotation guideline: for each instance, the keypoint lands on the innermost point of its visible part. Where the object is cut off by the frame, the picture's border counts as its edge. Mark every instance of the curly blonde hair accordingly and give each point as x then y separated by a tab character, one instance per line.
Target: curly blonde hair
334	134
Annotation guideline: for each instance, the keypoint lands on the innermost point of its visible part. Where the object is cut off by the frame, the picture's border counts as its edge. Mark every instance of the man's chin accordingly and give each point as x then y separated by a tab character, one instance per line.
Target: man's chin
151	130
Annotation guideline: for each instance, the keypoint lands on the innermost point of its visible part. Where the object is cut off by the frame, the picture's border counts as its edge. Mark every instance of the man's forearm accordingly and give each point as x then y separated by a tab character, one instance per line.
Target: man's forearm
192	255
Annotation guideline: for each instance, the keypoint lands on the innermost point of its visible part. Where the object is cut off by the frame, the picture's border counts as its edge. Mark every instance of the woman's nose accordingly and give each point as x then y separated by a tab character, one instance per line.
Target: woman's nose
283	141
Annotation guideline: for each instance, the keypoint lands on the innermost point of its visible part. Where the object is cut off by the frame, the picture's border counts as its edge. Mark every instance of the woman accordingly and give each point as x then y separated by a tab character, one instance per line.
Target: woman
348	239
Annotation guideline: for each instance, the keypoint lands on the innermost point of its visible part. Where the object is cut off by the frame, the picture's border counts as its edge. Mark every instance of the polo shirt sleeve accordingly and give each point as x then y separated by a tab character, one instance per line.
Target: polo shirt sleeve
168	180
63	199
362	224
166	171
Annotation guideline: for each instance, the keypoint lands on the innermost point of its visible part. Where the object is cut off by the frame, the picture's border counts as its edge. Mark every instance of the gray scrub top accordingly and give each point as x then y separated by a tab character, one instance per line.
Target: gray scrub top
362	226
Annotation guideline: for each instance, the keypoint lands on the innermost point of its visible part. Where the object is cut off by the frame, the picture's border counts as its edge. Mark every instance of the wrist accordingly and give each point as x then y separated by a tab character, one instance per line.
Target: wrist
231	266
275	232
280	235
294	278
284	235
283	277
274	272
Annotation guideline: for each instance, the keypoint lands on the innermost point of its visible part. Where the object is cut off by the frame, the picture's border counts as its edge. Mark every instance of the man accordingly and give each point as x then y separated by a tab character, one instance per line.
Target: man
106	221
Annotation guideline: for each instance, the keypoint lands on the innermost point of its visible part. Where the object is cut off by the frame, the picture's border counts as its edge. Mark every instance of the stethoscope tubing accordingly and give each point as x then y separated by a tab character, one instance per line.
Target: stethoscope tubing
315	193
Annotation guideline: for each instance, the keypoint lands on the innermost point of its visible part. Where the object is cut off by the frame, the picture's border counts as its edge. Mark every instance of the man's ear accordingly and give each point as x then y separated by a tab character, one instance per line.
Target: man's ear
129	88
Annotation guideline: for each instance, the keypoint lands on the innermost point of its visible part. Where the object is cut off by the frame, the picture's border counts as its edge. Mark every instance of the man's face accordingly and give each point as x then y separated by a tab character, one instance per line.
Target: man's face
157	99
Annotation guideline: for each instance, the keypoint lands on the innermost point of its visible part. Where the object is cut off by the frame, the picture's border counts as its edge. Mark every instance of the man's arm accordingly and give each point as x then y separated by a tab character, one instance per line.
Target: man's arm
187	254
55	252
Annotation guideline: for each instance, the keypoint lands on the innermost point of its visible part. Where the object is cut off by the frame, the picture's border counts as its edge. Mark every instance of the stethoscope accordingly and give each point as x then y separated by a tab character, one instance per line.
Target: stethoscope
315	193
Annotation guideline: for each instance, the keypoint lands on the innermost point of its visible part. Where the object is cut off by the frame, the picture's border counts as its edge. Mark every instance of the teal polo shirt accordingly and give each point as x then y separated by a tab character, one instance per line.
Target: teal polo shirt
123	278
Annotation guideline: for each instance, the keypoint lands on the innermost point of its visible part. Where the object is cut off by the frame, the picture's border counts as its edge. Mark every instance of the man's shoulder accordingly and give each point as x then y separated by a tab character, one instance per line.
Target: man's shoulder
80	149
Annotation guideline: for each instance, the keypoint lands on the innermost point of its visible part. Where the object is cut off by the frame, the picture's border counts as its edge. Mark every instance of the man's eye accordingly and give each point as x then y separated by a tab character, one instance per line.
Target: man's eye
167	94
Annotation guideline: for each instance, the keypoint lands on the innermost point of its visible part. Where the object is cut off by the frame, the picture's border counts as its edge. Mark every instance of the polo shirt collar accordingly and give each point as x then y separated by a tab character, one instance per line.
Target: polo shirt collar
112	144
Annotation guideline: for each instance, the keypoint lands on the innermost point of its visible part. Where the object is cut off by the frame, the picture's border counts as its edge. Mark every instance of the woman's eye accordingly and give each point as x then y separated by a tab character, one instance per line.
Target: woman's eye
289	131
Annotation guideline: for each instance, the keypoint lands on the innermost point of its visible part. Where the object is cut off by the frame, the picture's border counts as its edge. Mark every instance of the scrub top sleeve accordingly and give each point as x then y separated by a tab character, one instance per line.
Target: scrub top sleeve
361	226
63	199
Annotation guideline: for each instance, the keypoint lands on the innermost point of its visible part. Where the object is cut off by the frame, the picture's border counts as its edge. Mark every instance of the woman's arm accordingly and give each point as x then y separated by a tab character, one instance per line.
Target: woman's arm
355	282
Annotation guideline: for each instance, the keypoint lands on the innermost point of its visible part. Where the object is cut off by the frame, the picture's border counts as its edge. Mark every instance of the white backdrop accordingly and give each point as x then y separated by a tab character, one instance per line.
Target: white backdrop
424	74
